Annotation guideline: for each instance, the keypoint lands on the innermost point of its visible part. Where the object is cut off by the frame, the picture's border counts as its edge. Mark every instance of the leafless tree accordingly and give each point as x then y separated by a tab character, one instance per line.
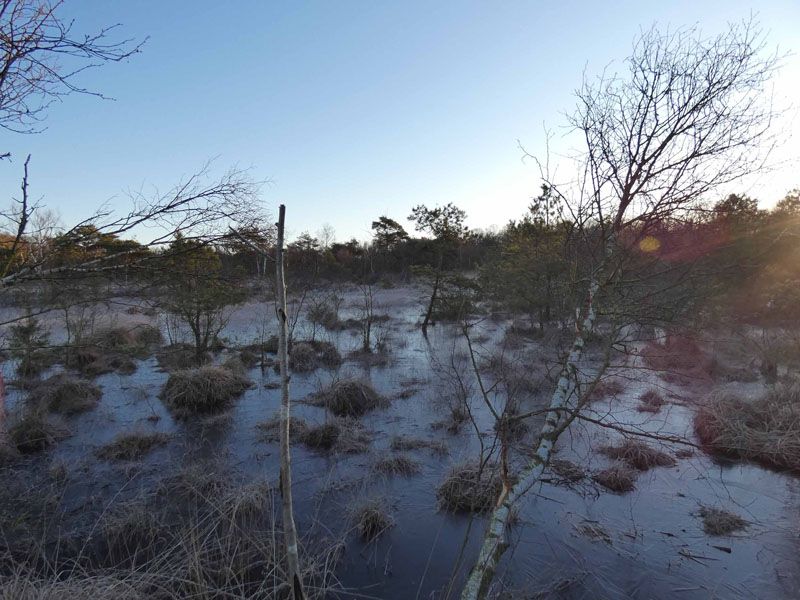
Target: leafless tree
42	57
691	114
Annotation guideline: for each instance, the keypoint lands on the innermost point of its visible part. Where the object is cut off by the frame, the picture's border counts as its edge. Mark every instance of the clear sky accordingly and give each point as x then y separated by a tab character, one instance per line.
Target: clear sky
354	109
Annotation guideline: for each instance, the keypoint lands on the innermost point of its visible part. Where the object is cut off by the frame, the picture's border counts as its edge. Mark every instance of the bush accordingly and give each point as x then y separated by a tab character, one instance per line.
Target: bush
132	446
68	395
765	430
351	398
204	390
468	488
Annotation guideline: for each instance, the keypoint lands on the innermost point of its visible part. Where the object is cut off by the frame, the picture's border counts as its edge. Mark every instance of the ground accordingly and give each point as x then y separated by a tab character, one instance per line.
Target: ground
572	538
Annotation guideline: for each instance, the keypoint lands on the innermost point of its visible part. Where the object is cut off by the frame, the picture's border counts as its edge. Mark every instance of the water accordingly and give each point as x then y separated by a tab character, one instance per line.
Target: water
576	541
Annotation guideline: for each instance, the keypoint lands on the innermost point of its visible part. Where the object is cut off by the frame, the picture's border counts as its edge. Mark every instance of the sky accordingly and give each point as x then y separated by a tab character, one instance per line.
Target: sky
352	110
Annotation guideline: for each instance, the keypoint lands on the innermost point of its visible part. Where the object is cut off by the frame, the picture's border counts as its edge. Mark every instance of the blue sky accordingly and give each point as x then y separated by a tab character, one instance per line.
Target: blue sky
354	109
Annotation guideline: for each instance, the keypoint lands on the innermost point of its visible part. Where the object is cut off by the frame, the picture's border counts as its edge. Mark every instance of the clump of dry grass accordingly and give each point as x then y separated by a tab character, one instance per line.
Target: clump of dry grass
309	355
68	395
617	478
567	470
113	349
34	432
180	356
351	398
607	388
679	359
397	464
270	429
470	488
650	402
639	455
403	443
132	446
717	521
373	520
765	430
344	436
204	390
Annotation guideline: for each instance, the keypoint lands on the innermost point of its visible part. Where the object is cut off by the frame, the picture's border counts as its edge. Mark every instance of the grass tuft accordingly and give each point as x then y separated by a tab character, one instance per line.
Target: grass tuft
617	478
351	398
639	455
204	390
397	464
717	521
470	488
67	395
132	446
373	520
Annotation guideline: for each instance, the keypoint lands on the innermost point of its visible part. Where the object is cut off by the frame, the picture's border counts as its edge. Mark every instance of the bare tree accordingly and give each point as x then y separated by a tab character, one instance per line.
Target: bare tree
289	528
42	57
689	116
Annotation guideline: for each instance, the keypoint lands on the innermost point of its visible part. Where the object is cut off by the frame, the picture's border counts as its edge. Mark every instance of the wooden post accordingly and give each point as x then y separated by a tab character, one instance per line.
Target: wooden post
289	529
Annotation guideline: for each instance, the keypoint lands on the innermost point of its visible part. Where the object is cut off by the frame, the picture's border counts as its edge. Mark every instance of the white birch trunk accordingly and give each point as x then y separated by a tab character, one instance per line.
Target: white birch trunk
494	542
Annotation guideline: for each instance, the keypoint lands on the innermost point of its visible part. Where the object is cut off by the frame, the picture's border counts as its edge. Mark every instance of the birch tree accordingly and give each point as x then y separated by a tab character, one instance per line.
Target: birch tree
688	115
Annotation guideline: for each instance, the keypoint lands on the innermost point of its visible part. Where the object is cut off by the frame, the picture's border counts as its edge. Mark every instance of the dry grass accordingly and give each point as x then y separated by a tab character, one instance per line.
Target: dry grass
342	436
468	488
639	455
607	388
309	355
567	470
34	432
132	446
351	398
179	357
650	402
765	430
617	478
397	464
680	360
372	520
201	535
403	443
113	350
67	395
717	521
204	390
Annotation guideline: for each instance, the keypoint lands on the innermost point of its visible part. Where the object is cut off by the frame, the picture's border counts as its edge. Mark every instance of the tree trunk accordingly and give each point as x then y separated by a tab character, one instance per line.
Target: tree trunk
494	543
289	529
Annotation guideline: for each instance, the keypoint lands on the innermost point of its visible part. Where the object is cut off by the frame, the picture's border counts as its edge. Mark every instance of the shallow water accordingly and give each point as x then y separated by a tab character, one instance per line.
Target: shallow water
646	544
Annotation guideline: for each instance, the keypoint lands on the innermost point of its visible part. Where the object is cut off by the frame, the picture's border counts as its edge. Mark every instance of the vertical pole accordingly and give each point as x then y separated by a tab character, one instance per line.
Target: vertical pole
289	529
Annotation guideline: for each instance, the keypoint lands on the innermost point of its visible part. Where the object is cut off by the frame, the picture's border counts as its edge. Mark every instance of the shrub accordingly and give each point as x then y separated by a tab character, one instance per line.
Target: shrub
617	478
470	488
132	446
68	395
204	390
638	455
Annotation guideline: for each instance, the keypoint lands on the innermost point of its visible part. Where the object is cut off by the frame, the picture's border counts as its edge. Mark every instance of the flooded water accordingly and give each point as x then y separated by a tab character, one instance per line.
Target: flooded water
569	541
